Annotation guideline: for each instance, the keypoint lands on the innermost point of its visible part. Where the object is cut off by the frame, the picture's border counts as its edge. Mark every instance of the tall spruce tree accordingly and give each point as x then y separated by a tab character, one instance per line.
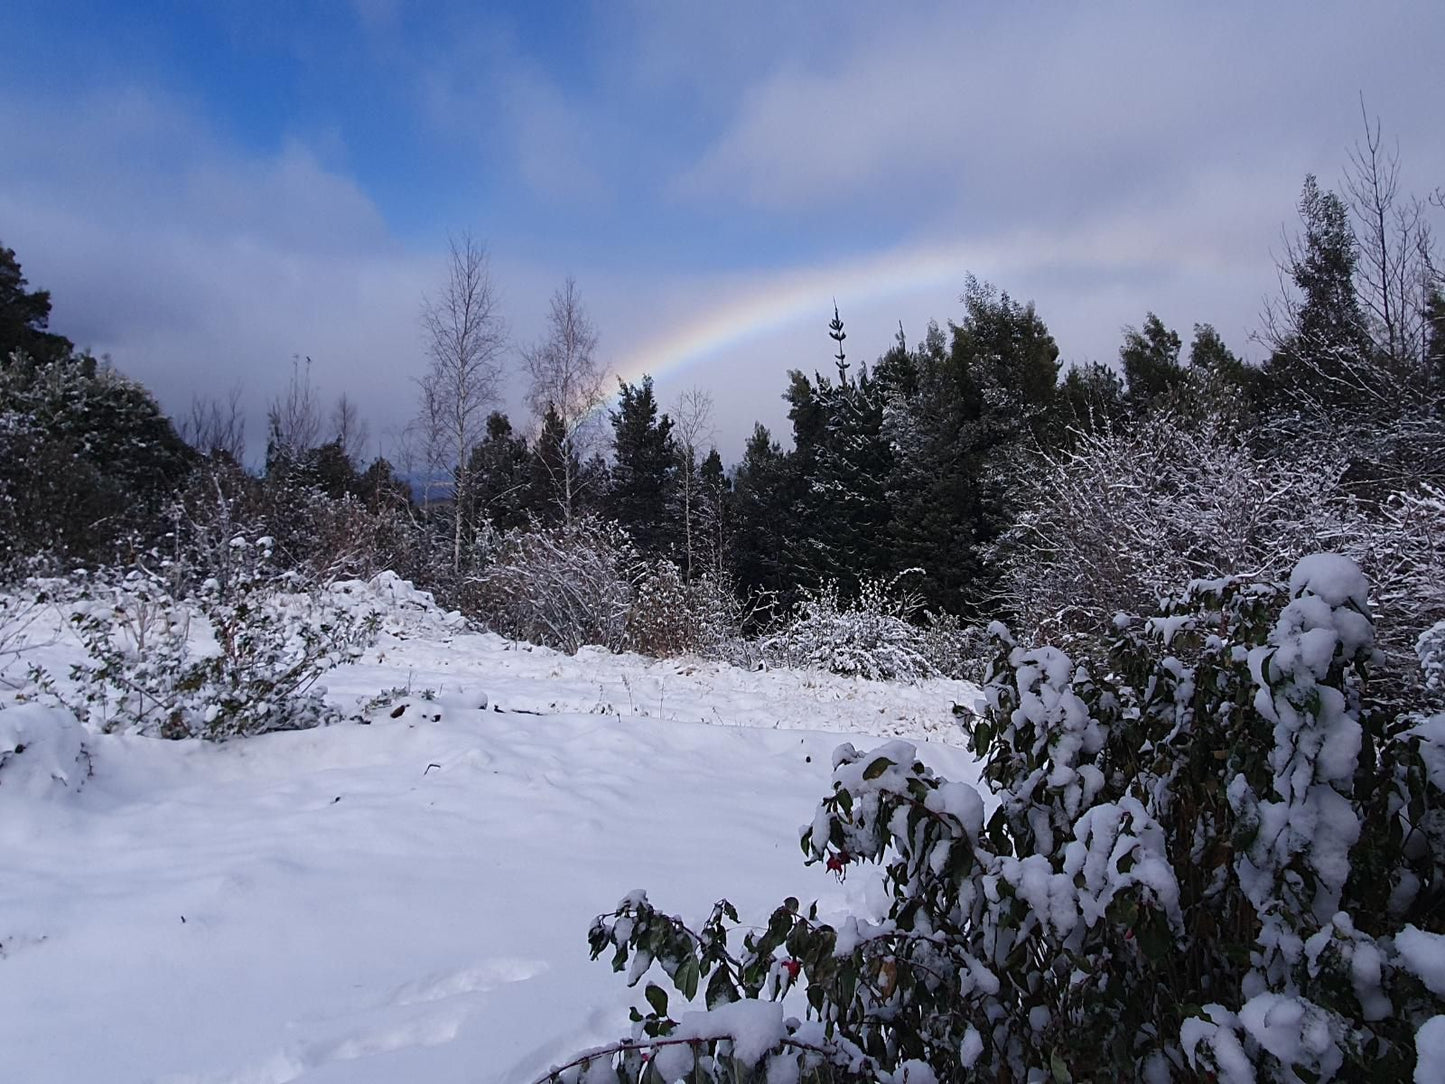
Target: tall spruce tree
843	461
983	398
640	496
1150	359
1321	359
763	513
25	317
552	464
500	470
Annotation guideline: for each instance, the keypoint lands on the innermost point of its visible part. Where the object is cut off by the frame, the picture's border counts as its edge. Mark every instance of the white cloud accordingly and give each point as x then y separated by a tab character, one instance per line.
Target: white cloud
1055	111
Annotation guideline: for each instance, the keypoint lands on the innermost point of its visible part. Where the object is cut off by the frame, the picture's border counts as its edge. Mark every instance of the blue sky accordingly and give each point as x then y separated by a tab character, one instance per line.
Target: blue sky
211	188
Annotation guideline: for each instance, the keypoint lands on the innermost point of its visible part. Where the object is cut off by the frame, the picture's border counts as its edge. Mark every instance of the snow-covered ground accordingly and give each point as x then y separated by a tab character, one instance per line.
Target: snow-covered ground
409	900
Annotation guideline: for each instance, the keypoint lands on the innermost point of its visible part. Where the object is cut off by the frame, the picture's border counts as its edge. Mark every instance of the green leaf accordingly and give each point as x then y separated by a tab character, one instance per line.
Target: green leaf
657	998
687	978
1059	1069
877	768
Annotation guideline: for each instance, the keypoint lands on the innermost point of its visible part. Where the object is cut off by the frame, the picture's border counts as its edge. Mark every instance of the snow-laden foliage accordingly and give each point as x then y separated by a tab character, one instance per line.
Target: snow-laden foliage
42	752
1126	513
1403	550
874	635
234	658
585	584
1431	649
20	633
1212	856
563	587
670	616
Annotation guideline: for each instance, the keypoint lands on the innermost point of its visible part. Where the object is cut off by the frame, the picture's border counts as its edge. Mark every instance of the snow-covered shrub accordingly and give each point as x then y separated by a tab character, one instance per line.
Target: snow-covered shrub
20	632
1403	551
562	587
872	636
1210	856
671	617
232	660
1128	512
42	752
1431	650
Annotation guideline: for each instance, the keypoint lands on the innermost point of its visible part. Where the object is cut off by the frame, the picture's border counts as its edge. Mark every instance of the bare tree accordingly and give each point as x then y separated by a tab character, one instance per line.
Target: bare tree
217	427
1353	317
691	427
294	417
1396	276
465	340
567	378
351	431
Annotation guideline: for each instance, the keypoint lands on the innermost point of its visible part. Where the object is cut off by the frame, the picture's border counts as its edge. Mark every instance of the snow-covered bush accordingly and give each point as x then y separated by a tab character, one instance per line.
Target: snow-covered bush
563	587
20	632
1403	551
234	659
1129	511
568	587
1431	650
42	752
1210	856
671	617
873	636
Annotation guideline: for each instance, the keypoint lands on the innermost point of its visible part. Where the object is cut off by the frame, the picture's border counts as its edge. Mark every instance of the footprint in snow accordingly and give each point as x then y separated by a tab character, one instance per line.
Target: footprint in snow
417	1022
470	980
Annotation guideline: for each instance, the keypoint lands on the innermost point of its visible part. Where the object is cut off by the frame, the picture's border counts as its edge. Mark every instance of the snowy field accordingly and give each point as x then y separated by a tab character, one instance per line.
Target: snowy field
408	900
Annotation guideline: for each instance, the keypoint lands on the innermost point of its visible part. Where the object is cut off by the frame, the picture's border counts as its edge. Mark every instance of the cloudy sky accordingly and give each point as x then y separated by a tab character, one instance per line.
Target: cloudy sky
211	189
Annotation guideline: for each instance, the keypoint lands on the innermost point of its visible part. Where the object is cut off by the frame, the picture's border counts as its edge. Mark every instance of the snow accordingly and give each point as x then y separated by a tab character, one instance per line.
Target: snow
754	1026
1334	578
1430	1052
1424	954
410	899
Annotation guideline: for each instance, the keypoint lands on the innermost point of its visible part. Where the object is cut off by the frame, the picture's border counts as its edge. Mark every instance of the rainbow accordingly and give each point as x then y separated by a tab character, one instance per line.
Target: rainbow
792	297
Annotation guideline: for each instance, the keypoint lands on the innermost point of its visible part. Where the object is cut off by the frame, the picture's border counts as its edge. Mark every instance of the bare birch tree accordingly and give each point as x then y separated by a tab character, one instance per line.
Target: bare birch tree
294	417
465	340
350	430
691	428
1396	276
217	427
567	378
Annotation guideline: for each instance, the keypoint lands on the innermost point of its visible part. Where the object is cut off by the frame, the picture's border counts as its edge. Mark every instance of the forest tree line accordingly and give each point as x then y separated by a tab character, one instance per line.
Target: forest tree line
967	467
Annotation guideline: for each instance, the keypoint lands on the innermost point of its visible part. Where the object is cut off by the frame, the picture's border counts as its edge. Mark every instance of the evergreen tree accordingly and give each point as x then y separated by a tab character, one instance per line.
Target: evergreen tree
1435	349
1090	397
86	458
1322	352
714	496
762	515
640	496
500	468
553	465
25	316
1150	358
982	399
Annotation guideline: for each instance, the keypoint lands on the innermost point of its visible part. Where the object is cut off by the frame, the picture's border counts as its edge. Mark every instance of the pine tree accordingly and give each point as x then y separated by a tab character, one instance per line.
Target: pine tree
1321	359
1150	359
640	497
981	400
86	458
713	518
501	474
25	316
553	463
763	510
